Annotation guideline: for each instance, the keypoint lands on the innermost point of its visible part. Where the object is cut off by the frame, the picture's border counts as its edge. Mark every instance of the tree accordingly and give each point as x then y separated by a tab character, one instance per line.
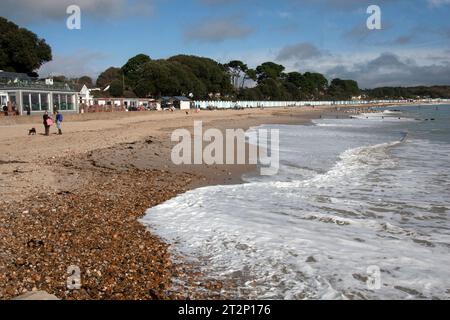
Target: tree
292	92
295	78
240	73
20	49
343	89
250	94
210	73
271	89
293	83
116	88
60	79
313	85
85	80
154	80
250	74
129	94
108	76
237	69
187	82
164	77
269	70
133	67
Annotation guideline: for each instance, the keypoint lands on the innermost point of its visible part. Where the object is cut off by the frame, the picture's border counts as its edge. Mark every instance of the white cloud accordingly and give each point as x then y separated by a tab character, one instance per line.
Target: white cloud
438	3
74	65
218	30
299	51
395	68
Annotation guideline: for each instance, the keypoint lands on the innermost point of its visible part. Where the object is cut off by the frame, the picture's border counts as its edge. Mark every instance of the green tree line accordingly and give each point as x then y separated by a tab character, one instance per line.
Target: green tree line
204	78
433	92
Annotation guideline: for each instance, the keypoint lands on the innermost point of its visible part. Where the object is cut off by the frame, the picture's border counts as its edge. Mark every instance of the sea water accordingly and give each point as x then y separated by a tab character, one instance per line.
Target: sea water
351	196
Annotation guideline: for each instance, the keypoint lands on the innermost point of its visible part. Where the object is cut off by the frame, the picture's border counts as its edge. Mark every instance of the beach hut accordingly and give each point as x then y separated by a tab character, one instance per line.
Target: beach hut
177	102
182	103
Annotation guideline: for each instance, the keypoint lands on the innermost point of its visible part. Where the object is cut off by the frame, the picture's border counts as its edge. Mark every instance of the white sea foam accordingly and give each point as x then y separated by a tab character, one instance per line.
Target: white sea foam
345	199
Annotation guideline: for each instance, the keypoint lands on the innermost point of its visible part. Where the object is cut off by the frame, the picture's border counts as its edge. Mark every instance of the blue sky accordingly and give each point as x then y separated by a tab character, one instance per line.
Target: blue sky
328	36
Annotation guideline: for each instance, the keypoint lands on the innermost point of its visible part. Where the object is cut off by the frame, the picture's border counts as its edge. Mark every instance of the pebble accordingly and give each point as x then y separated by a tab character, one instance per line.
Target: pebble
117	257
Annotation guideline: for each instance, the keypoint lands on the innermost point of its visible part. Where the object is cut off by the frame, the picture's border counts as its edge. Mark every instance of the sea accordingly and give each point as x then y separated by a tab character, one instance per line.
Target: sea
360	209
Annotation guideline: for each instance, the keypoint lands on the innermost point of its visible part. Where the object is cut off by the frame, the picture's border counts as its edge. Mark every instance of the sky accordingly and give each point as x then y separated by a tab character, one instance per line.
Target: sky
328	36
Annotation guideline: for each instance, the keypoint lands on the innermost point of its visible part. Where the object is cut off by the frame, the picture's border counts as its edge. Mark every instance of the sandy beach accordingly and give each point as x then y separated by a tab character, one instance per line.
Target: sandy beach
76	199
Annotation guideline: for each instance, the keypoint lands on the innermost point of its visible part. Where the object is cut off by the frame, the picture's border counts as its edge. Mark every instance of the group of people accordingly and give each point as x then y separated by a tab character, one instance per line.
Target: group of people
48	122
9	111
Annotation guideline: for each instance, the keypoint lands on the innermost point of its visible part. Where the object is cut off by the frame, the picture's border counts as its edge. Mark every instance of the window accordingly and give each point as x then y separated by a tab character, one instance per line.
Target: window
35	105
70	105
63	99
12	99
63	102
56	102
34	101
26	101
44	102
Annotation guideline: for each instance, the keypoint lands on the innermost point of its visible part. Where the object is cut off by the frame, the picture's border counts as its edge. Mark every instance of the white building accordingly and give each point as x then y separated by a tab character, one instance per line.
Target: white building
185	103
24	95
86	96
179	102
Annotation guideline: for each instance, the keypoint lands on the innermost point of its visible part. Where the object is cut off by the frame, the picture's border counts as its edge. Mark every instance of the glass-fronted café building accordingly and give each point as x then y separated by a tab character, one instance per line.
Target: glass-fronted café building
35	97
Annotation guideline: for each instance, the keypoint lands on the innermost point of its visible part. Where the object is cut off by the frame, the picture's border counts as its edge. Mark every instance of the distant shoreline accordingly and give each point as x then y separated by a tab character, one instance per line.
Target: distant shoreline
78	117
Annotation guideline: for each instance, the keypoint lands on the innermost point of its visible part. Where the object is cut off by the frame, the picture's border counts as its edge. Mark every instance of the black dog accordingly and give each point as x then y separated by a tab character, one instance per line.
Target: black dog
32	131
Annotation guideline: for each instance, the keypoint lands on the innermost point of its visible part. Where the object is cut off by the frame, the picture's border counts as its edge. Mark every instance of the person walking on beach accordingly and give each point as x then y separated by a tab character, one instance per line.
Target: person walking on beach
48	121
59	120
